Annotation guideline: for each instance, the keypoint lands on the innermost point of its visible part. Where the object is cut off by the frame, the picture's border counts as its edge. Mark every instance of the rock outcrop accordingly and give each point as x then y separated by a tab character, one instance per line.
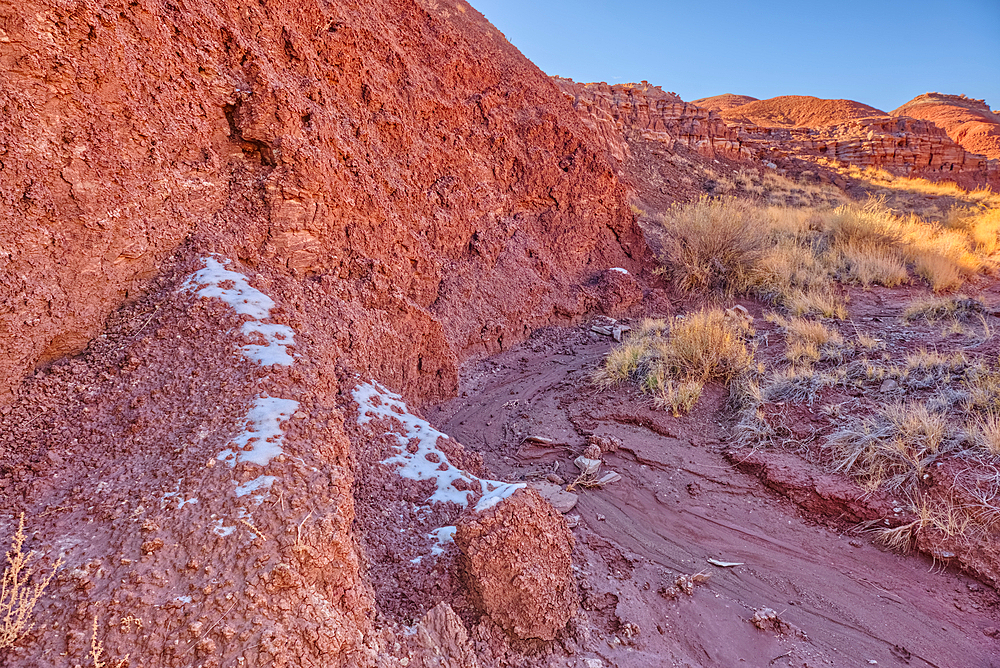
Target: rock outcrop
215	211
903	146
517	558
402	159
967	121
808	128
646	111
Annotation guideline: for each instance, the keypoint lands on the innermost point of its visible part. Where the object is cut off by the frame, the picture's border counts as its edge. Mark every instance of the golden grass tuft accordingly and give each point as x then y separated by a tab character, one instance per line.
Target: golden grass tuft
985	431
672	359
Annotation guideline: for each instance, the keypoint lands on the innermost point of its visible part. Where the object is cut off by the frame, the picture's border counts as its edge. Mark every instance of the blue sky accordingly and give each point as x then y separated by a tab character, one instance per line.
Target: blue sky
882	53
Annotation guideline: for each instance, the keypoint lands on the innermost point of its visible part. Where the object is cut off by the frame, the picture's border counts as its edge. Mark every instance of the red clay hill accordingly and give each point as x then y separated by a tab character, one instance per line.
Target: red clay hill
968	122
722	102
797	111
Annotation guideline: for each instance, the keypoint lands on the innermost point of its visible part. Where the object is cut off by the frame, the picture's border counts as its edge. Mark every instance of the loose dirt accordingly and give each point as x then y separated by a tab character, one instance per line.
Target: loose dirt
840	600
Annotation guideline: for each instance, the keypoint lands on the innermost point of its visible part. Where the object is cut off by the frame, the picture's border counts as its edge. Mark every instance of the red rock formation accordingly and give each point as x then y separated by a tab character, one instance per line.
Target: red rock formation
646	111
411	161
403	185
808	128
903	146
518	560
722	102
797	111
968	122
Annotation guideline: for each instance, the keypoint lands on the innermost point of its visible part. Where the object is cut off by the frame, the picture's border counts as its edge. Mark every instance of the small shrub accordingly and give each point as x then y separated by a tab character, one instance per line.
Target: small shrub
714	244
18	595
672	360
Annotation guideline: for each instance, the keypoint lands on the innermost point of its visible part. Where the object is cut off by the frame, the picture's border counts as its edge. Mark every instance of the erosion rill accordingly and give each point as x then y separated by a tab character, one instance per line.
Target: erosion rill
218	218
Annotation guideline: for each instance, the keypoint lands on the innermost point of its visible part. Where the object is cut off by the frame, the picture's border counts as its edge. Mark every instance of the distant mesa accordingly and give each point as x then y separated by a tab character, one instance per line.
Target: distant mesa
797	111
723	102
969	122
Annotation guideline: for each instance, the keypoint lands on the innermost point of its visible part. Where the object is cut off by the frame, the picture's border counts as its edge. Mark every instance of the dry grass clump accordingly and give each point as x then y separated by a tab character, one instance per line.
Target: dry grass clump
925	369
672	359
796	384
892	448
983	386
792	256
775	189
18	594
934	309
715	244
809	341
984	430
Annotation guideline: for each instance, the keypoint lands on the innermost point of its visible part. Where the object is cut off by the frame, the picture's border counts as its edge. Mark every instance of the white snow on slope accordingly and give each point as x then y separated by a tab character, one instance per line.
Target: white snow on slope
250	301
262	432
427	463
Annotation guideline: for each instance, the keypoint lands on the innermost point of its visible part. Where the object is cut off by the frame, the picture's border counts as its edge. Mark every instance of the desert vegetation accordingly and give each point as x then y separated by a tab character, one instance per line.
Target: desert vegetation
20	589
894	415
672	359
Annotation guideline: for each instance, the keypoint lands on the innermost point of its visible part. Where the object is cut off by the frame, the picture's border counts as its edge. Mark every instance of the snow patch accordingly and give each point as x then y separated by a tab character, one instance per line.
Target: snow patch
262	433
176	496
246	300
278	338
441	537
428	462
220	530
264	481
619	270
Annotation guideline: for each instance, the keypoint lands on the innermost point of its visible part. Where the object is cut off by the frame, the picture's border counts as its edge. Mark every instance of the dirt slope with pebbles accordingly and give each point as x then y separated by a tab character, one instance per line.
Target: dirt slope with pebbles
394	189
836	599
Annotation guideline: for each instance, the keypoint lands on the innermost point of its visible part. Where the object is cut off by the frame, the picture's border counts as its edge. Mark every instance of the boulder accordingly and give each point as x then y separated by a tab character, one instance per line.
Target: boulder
517	563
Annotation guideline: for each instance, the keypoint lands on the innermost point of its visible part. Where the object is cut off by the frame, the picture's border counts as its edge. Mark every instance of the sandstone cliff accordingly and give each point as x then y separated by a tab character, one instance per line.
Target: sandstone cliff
646	111
968	122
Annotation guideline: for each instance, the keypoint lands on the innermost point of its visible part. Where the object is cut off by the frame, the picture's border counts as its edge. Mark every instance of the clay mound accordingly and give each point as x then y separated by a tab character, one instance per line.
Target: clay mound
967	121
724	102
798	111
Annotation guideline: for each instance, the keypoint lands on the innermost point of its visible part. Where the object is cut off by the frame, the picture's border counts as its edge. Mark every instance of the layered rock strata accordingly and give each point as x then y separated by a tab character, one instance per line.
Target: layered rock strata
646	111
967	121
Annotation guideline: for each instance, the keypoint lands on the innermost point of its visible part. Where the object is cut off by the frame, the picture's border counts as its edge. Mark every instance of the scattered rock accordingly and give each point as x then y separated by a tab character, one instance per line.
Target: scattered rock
684	584
516	559
767	619
560	499
888	385
444	640
588	467
605	444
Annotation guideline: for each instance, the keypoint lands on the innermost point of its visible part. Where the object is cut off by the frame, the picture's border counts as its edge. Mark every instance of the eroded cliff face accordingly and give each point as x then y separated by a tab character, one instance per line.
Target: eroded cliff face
967	121
403	151
218	214
647	112
781	131
904	146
